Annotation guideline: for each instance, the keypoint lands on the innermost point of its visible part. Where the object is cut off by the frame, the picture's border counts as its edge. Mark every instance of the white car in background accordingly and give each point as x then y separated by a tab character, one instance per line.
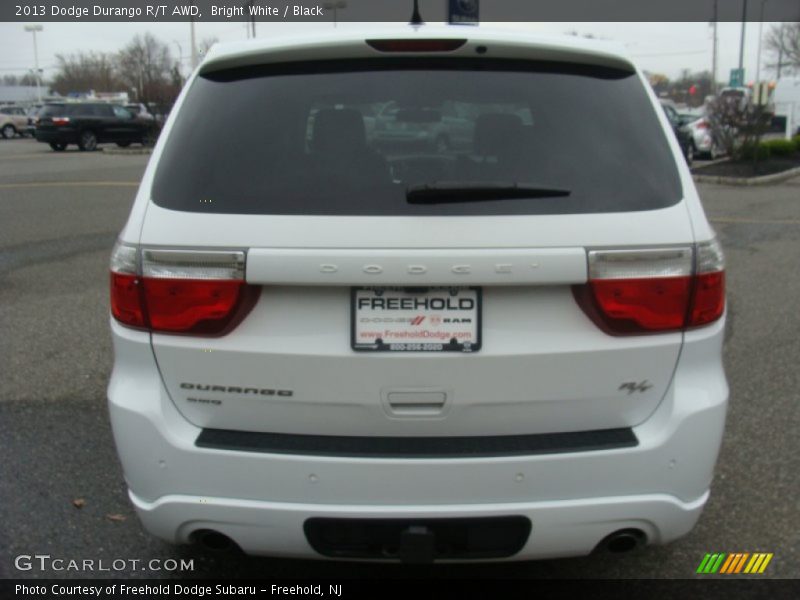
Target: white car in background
140	111
703	140
509	350
13	121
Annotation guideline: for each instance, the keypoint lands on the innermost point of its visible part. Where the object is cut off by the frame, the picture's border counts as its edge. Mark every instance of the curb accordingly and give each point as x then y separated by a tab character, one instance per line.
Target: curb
763	179
127	151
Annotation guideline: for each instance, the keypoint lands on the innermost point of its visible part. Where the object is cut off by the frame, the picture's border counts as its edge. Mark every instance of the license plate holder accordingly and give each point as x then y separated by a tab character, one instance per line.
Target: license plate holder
405	319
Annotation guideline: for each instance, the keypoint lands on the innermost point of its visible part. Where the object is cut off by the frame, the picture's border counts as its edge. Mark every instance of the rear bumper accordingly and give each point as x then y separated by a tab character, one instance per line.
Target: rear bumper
559	528
703	142
573	499
58	137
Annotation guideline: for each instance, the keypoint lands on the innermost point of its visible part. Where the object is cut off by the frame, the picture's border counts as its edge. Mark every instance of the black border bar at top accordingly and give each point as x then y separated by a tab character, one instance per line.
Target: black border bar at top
431	11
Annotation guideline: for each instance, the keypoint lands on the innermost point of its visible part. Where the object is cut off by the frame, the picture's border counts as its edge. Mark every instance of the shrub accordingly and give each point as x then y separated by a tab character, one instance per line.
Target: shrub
747	151
736	127
796	141
780	147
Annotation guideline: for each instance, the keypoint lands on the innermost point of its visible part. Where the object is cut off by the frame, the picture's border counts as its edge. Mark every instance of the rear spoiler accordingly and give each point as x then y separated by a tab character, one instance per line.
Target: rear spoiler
327	49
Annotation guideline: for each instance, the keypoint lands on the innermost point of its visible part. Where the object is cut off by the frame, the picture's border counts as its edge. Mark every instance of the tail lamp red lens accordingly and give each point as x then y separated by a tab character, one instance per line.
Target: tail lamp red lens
638	305
708	302
60	120
187	292
654	291
126	302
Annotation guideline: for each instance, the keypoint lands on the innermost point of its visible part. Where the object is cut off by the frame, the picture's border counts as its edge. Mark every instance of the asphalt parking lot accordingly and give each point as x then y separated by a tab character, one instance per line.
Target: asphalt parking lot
59	216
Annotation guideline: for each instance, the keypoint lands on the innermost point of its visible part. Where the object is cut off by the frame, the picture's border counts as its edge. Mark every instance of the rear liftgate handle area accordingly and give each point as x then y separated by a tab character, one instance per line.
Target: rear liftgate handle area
416	403
417	544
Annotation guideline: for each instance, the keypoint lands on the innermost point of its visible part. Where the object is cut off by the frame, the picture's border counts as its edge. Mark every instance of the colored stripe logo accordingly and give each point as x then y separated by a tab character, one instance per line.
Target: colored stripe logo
735	562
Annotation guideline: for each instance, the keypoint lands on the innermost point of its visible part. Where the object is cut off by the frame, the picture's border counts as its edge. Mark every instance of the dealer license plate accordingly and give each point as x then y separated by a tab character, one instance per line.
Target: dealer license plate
416	319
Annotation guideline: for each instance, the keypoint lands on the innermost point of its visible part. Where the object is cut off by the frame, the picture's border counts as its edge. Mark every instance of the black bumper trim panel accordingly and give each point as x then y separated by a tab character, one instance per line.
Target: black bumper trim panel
417	447
418	540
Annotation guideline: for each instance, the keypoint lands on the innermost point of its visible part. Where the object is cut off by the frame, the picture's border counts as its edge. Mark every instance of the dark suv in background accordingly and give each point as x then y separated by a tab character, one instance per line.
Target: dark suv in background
89	124
683	134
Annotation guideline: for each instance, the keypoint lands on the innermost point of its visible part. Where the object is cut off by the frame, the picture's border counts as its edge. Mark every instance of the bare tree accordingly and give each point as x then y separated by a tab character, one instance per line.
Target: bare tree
737	126
692	88
27	79
783	45
206	44
658	81
85	71
146	65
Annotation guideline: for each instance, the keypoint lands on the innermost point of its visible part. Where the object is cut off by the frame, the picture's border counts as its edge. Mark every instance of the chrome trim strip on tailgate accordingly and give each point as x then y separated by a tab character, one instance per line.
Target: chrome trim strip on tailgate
545	266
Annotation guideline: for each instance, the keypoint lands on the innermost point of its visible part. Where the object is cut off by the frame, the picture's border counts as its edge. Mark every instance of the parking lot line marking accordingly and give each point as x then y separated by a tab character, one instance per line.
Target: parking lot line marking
725	220
40	154
35	184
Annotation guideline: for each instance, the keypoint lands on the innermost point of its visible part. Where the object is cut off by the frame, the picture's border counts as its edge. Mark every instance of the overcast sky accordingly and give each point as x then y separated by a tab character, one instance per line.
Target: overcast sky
659	47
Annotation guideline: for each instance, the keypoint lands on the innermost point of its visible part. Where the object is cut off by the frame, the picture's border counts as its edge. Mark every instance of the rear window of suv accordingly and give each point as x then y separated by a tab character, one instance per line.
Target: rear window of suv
53	110
77	110
355	137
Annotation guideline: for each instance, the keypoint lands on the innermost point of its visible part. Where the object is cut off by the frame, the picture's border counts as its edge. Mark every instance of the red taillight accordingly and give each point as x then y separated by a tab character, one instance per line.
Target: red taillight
703	125
649	291
416	45
60	120
126	301
190	305
709	298
198	293
640	305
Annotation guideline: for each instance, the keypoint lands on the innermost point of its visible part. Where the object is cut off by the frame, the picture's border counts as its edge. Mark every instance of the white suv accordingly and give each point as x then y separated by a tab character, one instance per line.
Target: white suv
508	348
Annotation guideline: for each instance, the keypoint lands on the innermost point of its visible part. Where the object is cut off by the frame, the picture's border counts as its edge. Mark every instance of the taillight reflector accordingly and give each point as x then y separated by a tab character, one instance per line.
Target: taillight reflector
429	45
126	302
709	298
60	120
178	291
708	301
647	291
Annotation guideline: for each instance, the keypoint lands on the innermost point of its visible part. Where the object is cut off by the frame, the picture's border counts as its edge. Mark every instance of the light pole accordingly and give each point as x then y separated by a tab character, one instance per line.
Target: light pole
252	26
760	32
714	54
33	29
741	41
180	58
194	43
337	5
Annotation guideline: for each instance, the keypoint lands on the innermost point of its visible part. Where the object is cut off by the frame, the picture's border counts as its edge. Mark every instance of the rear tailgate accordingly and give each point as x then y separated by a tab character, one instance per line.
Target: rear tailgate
297	184
543	365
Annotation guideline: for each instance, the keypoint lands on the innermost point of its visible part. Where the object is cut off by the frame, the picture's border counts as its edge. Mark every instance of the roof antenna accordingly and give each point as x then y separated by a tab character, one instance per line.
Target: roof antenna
416	18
